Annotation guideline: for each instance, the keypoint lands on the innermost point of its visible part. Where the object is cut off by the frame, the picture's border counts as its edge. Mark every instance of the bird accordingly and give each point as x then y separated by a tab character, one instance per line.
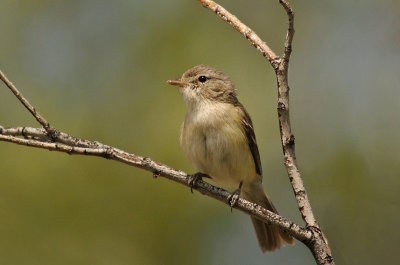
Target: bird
218	139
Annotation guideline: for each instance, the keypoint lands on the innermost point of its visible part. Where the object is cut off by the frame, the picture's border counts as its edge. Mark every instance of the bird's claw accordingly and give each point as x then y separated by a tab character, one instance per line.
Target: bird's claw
234	197
192	179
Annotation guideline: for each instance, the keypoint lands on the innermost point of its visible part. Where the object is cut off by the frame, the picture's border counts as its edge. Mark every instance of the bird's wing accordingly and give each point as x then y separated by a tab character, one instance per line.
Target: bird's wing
251	139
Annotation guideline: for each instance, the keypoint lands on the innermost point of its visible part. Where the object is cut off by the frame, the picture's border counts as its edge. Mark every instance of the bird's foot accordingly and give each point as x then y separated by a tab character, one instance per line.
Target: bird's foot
192	179
234	197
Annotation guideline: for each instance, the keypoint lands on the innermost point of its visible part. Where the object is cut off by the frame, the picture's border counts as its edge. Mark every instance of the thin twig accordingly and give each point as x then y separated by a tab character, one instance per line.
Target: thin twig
319	245
158	169
46	125
247	32
287	137
289	34
312	236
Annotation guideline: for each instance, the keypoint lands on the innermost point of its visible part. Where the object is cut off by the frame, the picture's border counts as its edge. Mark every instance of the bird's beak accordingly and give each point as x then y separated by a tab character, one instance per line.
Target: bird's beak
176	82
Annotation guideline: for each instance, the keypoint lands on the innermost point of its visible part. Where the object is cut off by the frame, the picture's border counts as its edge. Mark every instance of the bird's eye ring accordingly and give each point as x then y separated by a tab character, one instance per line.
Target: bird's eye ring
202	78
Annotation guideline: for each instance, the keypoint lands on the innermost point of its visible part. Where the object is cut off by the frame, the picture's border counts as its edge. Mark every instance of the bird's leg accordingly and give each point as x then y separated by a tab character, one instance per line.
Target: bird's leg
192	179
234	197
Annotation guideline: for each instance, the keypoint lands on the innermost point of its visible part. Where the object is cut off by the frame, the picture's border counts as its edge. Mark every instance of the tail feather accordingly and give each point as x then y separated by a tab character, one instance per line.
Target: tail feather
269	237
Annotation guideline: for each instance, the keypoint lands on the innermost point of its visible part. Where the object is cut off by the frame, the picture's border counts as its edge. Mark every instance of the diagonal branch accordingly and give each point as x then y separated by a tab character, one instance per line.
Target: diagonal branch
249	34
37	137
319	245
46	125
281	67
51	139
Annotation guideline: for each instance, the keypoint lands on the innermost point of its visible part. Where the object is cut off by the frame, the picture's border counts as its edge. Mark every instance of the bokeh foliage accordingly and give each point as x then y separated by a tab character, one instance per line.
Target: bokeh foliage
97	70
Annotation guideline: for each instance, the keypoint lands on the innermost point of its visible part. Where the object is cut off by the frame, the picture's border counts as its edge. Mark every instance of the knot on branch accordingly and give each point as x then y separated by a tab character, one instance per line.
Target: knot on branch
301	193
52	133
281	105
315	234
276	62
289	140
108	153
70	149
23	132
319	244
288	49
147	161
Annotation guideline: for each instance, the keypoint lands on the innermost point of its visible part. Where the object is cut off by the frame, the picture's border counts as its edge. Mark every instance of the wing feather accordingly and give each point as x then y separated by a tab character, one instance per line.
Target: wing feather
251	138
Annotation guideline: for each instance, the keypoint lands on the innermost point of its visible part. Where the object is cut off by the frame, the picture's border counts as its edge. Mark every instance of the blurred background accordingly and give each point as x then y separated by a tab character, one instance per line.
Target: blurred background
97	70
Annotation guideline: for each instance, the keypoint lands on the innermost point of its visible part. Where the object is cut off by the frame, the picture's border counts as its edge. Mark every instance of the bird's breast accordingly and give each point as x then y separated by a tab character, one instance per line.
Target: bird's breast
214	142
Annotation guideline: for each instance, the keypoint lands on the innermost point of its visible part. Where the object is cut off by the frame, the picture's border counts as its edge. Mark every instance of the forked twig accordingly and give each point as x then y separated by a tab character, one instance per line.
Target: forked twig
46	125
247	32
319	245
51	139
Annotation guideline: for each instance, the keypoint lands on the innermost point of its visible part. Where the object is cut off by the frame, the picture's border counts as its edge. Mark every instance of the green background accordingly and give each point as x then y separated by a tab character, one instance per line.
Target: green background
97	70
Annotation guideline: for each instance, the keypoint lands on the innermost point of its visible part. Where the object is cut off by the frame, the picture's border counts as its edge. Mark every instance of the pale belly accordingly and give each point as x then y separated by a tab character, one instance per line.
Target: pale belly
221	153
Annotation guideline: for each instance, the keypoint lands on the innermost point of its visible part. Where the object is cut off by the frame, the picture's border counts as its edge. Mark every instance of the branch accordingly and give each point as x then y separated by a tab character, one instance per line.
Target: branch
319	245
52	139
247	32
46	125
37	137
289	34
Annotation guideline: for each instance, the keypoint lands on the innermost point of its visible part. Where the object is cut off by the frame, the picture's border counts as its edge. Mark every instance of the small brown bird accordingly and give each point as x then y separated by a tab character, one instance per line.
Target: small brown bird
218	138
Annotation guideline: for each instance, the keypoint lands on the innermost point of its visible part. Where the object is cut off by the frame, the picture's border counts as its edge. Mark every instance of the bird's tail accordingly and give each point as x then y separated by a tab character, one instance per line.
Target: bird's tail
269	237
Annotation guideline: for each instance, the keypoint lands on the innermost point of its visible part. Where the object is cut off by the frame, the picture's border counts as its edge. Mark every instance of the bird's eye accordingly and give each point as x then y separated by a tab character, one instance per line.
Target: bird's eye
202	78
